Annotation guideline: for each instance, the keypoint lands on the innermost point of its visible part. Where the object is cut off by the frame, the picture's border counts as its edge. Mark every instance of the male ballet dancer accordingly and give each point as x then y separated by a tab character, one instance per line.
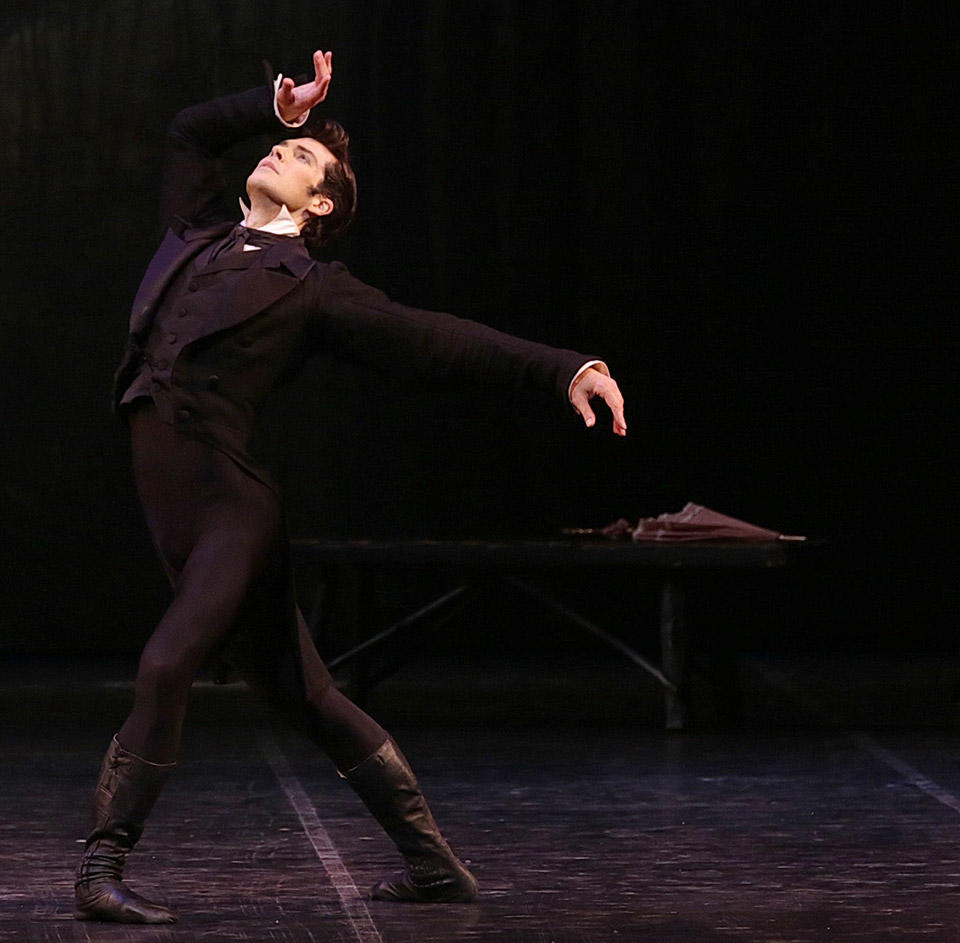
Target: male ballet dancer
227	312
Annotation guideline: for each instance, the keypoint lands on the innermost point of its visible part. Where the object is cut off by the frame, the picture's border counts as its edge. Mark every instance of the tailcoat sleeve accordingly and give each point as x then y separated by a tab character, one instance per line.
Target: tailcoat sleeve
357	322
197	138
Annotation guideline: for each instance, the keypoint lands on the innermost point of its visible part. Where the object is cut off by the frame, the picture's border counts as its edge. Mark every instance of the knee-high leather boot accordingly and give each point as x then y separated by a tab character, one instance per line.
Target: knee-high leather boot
126	792
388	788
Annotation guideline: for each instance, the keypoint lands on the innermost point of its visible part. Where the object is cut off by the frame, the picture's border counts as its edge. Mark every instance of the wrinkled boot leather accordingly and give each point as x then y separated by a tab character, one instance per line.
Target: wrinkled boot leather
389	789
126	792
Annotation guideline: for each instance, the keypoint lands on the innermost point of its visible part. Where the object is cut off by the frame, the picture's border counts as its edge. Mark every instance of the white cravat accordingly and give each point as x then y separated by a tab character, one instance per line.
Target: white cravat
283	224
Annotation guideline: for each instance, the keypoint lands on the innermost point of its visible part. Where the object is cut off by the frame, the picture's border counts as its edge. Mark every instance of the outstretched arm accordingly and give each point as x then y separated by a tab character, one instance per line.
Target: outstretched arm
360	323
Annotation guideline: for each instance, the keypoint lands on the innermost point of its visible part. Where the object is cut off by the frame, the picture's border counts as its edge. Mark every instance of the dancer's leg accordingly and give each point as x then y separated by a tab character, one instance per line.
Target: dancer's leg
216	531
373	765
209	597
345	732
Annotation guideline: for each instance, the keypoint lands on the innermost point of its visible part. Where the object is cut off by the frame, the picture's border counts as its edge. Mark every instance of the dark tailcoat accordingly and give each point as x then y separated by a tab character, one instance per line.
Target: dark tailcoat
210	337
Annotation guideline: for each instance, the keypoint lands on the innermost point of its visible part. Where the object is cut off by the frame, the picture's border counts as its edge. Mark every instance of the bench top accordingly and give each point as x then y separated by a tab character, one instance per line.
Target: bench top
495	554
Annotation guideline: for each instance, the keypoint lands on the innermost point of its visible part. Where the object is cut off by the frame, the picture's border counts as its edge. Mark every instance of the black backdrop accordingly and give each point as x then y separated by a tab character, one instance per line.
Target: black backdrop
747	208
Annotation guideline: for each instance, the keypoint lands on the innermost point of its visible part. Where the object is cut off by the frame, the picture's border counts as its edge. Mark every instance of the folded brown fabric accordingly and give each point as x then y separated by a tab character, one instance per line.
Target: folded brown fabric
696	522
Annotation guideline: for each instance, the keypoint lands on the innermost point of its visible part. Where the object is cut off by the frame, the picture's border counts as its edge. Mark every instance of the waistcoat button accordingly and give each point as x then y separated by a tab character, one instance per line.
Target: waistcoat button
213	382
171	338
183	415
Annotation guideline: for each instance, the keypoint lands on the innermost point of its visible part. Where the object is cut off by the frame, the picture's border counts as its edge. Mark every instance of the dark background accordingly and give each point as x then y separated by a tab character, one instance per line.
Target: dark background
748	209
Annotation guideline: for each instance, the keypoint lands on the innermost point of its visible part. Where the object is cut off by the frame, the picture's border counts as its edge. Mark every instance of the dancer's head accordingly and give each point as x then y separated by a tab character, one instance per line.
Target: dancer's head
310	175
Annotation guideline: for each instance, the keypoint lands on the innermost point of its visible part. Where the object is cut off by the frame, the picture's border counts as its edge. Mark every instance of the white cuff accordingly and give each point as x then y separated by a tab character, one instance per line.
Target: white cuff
290	124
596	365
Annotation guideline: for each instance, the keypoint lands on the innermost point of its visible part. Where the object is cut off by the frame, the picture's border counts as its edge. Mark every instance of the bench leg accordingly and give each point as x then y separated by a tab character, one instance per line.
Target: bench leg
673	647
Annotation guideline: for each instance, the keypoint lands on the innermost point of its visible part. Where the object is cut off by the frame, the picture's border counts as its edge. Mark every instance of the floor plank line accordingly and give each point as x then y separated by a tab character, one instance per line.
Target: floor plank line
908	772
343	883
814	705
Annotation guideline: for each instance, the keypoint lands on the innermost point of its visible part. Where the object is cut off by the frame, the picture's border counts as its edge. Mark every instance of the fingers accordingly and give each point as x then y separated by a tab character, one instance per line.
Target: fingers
589	419
323	73
322	67
285	92
619	423
607	389
580	401
613	398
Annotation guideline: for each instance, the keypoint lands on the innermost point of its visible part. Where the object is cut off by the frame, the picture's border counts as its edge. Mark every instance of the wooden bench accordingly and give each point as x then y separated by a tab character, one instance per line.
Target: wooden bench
516	563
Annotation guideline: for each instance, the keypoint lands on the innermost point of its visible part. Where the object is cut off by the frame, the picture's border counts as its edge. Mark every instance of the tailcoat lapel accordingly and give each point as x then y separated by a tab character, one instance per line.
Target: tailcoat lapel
260	278
174	252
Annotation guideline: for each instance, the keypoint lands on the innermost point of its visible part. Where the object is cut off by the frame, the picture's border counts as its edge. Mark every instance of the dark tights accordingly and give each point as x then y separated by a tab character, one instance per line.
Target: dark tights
220	537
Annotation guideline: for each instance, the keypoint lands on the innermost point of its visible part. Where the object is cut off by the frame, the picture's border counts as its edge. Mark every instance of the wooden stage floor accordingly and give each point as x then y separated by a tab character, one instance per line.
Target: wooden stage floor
806	824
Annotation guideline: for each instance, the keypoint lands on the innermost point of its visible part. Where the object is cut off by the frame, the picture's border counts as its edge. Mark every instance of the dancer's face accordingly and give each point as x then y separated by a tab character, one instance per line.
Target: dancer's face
290	174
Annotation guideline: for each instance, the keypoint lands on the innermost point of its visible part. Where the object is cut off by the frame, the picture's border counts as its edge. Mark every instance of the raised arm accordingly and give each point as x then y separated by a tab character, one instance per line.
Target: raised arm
196	140
199	135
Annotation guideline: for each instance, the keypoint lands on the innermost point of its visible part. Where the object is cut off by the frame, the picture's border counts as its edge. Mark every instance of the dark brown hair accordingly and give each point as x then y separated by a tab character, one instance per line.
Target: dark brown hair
338	183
